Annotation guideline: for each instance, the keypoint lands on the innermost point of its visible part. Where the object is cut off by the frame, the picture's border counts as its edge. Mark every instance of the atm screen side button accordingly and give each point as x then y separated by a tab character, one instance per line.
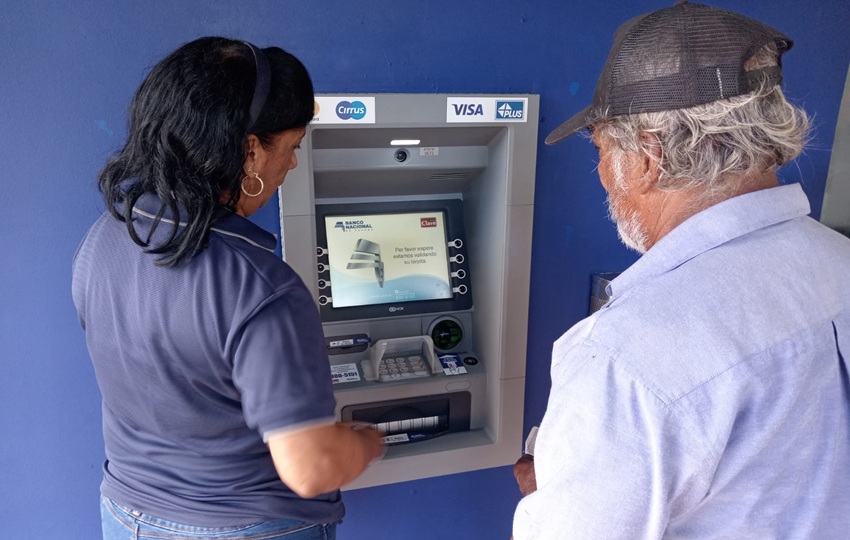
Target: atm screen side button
457	386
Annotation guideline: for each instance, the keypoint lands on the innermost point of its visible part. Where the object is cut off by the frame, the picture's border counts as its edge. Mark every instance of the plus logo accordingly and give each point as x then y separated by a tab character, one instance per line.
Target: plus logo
510	110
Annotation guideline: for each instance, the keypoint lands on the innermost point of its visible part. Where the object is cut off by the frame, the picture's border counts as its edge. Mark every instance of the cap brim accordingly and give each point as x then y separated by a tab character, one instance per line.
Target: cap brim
575	124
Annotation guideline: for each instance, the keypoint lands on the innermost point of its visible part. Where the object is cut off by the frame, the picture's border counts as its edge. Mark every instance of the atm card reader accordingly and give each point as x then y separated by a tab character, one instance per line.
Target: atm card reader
414	419
400	359
350	343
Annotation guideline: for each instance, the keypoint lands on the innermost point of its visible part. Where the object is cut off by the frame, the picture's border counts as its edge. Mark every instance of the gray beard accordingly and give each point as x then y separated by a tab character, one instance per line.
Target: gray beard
629	228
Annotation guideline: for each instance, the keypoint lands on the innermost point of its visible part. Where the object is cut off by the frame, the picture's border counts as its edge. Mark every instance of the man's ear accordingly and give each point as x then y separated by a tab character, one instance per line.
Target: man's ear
651	156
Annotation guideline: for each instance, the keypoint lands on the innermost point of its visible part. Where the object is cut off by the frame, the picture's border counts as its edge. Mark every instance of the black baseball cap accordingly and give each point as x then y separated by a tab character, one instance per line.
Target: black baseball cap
676	58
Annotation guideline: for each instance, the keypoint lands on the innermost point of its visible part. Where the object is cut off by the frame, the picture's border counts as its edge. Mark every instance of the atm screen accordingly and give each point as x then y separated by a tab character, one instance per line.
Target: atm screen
388	258
392	258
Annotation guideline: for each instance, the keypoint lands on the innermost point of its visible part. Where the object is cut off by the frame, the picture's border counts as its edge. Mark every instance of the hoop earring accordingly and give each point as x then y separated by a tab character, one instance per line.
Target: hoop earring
260	180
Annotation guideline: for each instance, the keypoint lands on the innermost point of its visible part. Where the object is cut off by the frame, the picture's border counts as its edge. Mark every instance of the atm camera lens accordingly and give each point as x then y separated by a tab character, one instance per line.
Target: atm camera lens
401	156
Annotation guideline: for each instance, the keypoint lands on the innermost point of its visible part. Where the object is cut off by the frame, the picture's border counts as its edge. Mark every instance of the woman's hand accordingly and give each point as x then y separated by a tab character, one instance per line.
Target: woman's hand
324	458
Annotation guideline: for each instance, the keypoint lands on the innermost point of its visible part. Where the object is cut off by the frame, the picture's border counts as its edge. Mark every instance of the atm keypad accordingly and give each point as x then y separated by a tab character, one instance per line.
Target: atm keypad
402	367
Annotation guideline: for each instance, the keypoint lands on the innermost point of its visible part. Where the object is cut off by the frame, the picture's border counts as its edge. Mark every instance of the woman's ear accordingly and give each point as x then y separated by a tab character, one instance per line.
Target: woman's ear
253	150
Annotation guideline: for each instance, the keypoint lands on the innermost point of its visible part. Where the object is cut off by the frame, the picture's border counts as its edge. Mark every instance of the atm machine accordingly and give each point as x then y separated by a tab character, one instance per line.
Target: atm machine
409	217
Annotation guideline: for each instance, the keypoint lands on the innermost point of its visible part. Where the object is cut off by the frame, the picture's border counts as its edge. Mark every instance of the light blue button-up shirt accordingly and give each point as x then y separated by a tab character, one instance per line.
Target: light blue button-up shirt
710	398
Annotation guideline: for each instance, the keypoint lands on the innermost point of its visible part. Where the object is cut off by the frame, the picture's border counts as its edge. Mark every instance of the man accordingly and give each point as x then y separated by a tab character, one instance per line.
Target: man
709	397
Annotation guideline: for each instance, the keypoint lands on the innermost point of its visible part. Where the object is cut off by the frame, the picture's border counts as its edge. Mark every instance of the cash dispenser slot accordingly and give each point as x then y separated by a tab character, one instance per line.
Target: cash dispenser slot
414	419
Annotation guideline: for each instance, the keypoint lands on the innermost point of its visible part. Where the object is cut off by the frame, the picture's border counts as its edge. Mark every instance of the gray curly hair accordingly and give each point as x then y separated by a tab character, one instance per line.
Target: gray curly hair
711	148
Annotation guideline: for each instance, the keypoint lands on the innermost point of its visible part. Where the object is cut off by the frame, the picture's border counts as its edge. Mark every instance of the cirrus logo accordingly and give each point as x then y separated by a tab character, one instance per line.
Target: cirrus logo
354	110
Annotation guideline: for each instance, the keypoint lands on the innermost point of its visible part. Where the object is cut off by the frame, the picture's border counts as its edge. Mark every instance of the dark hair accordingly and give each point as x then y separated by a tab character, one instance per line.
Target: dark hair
189	122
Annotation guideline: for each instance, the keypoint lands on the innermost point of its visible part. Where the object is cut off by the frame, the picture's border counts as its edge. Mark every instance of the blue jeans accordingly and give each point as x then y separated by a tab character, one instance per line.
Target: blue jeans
120	523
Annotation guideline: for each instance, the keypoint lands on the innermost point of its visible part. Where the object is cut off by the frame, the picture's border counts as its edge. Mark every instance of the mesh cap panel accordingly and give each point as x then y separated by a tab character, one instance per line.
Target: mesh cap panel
677	58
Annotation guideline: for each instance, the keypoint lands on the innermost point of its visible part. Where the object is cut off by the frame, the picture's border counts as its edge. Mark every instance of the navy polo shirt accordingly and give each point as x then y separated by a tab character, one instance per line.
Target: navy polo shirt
195	365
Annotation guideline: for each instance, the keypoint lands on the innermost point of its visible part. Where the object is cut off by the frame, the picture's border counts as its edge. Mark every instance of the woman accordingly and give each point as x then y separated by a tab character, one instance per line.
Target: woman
208	349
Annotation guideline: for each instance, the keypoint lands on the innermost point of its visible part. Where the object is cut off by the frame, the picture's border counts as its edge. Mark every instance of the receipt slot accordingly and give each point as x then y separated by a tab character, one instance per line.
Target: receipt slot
409	217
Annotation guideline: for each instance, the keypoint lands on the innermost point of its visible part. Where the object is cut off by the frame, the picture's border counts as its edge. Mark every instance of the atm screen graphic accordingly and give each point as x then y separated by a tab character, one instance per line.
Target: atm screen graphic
388	258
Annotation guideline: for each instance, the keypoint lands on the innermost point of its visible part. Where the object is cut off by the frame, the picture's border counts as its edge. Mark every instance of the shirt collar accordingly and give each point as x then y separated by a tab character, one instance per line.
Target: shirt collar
712	227
233	225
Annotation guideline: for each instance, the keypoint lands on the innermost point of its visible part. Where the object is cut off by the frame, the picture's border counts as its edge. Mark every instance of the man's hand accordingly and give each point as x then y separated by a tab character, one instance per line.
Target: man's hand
524	474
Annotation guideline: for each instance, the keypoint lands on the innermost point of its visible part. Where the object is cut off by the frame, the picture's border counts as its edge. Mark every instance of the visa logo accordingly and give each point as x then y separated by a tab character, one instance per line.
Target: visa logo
513	110
468	109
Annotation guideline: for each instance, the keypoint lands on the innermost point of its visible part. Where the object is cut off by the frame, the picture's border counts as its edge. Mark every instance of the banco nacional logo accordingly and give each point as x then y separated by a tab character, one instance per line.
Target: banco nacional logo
354	110
510	110
353	225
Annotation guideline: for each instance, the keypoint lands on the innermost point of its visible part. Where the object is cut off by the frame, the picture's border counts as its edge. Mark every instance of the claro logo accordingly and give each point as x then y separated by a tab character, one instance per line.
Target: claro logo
350	110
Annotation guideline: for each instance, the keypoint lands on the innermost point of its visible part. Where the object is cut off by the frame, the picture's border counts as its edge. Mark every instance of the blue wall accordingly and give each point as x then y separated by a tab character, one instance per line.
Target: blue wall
67	72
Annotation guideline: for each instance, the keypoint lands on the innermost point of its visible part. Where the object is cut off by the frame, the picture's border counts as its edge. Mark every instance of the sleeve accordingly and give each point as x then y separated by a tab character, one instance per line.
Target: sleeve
80	270
281	366
612	460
